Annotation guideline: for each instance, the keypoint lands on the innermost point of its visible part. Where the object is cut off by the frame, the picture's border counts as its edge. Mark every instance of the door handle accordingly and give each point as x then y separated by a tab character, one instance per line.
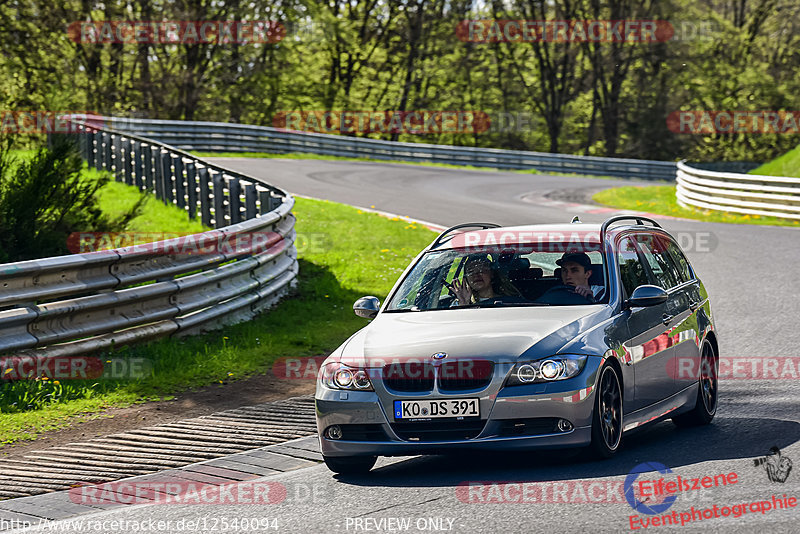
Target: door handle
666	318
694	304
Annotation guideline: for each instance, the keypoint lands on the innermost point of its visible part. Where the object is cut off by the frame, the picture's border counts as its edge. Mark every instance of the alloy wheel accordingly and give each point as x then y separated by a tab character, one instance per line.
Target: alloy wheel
708	380
610	408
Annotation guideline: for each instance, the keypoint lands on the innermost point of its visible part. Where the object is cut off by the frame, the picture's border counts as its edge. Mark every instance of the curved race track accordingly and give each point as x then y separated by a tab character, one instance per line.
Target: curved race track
750	273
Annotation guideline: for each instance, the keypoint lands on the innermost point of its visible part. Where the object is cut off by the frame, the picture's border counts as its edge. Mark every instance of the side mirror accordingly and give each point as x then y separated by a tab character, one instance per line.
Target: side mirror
367	307
645	296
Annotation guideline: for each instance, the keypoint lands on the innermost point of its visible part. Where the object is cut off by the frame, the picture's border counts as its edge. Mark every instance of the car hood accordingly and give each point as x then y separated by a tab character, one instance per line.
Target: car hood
496	334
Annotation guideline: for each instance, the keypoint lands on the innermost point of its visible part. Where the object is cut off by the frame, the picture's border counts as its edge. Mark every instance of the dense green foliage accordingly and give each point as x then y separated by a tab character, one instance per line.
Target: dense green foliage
45	195
600	98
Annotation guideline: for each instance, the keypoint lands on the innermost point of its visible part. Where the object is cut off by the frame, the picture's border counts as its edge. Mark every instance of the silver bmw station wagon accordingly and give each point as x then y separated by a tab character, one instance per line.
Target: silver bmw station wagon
513	338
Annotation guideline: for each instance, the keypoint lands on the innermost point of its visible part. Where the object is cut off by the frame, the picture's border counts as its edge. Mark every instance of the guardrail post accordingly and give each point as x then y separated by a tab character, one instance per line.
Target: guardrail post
107	160
91	154
128	161
158	165
219	200
205	195
250	209
180	189
191	188
138	159
119	156
234	200
149	171
83	143
264	201
166	177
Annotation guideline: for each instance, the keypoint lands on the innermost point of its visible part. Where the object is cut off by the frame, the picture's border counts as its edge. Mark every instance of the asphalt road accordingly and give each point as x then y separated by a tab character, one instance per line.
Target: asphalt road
750	273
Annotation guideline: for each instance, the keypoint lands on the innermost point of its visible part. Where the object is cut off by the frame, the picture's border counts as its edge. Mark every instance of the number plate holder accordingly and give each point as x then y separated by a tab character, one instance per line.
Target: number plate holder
428	409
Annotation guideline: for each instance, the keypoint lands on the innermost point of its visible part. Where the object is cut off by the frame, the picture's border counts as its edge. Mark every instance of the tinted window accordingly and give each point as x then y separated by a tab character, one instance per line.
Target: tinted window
518	274
630	268
664	270
680	260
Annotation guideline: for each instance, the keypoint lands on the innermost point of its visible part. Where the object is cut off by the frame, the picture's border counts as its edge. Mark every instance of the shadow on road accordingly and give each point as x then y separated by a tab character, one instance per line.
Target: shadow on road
725	439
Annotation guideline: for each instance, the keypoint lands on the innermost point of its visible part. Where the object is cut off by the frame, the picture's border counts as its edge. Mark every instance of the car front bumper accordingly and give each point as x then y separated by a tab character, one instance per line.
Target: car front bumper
500	411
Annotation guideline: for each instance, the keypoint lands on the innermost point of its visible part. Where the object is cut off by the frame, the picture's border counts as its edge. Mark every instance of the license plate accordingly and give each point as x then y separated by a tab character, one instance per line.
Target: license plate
436	409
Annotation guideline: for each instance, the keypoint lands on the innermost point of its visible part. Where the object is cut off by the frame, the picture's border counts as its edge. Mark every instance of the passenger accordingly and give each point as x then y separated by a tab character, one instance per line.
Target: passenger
481	282
576	270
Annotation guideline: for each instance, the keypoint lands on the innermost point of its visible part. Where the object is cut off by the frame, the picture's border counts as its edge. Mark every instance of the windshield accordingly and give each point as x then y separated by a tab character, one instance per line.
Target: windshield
527	276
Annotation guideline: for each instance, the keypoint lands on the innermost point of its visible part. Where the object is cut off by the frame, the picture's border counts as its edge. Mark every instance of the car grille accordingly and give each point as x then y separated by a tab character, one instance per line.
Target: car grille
465	374
458	375
529	427
409	376
363	433
438	430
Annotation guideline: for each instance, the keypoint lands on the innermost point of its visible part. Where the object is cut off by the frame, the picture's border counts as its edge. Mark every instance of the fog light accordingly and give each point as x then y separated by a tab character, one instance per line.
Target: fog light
564	425
526	373
335	432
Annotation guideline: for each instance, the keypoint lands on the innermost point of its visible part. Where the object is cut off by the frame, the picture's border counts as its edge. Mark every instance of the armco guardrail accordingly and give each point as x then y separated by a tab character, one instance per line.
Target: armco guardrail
219	136
70	305
751	194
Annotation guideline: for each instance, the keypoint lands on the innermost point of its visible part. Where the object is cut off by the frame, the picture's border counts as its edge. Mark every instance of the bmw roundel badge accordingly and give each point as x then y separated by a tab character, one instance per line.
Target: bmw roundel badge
439	355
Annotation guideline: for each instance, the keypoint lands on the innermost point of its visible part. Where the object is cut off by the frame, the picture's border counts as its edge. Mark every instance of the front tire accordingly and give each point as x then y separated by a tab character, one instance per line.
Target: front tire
607	416
705	406
350	465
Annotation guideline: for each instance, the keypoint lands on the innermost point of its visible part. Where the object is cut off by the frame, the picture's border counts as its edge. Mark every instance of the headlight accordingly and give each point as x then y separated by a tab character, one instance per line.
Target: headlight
550	369
340	376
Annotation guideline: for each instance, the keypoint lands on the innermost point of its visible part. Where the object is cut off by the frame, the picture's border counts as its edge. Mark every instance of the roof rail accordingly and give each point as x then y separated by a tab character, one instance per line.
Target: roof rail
438	240
617	218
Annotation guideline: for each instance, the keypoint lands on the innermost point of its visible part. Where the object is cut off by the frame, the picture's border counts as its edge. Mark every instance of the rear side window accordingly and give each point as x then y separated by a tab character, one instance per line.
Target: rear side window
680	260
630	267
665	272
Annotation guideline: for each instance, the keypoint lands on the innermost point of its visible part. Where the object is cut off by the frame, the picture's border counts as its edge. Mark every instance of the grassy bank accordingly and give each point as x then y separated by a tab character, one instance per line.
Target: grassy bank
786	165
344	254
661	200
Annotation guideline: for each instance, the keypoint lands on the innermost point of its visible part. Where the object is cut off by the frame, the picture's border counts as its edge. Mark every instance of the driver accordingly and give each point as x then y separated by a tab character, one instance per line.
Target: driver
576	270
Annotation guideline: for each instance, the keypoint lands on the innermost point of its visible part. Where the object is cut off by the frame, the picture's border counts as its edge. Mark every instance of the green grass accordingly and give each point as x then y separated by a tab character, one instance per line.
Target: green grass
661	200
344	254
786	165
116	198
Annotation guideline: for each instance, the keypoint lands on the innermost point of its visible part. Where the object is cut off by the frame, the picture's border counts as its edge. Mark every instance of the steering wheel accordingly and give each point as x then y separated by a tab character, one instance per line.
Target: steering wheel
563	294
